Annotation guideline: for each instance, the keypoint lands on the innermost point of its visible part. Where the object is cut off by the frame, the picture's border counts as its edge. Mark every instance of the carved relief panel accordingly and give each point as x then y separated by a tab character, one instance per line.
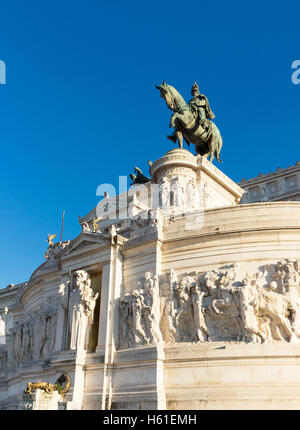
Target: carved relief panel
226	304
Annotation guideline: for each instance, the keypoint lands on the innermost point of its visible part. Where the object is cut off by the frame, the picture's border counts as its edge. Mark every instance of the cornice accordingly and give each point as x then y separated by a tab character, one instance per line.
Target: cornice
271	175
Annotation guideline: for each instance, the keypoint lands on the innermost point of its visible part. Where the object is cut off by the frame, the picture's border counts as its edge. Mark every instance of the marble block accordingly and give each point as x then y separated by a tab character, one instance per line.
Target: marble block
40	401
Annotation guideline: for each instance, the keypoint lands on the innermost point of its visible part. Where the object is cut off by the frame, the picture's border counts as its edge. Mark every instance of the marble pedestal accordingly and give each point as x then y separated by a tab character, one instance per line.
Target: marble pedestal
40	400
216	375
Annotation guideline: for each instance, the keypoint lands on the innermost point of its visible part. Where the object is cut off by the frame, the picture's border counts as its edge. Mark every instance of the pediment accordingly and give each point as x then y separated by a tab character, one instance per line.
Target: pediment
84	240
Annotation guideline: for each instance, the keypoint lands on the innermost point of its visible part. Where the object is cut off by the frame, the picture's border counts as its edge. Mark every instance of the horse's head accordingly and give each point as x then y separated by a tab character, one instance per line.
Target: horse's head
166	93
172	97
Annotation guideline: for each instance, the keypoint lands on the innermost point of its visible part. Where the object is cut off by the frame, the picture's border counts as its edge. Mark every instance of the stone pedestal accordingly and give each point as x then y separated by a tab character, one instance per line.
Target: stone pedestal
216	189
175	163
232	376
40	400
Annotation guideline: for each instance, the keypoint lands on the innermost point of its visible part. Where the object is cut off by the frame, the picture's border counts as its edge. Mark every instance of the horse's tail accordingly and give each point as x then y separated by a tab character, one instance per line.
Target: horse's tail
218	142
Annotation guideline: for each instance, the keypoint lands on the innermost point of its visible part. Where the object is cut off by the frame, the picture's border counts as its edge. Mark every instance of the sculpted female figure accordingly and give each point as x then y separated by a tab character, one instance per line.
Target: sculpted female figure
138	305
126	326
197	299
81	307
152	301
10	345
39	331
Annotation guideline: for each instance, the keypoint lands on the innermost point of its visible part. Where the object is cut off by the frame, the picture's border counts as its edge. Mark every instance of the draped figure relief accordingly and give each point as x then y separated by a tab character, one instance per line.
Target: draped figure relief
33	338
140	314
3	363
82	302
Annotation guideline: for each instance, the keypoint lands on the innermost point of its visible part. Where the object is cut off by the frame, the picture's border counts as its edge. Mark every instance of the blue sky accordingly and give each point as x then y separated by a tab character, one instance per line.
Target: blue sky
80	106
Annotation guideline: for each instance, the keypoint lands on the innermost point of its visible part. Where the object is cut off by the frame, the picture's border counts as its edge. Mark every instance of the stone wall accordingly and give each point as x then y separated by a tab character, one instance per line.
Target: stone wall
282	185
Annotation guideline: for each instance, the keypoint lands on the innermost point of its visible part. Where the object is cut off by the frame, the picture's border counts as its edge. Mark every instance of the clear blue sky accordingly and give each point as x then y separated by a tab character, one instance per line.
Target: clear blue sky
80	107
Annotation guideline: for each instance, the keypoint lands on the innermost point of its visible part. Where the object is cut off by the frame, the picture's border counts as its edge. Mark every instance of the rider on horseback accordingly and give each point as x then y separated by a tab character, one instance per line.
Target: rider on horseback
200	107
201	110
192	121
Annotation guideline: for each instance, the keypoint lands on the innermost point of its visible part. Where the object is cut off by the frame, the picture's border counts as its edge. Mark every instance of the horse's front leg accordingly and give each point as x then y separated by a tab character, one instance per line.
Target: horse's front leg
177	135
180	139
173	120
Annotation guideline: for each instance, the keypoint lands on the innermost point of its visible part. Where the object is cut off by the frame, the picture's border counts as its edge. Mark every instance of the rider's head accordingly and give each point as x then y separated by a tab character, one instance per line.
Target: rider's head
195	90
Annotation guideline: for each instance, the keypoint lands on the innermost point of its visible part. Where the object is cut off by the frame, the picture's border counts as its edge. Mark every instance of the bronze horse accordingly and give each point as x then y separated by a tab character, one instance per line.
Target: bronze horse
207	141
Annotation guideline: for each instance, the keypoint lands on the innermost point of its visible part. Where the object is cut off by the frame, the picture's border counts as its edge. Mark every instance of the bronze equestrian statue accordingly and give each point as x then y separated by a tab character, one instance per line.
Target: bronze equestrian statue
192	121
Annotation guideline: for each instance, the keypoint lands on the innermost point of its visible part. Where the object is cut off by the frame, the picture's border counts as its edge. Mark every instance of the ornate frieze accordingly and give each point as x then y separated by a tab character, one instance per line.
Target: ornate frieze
145	223
139	314
33	337
226	304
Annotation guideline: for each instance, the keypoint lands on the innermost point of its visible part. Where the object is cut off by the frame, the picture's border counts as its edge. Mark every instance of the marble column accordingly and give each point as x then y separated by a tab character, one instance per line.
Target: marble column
62	317
109	318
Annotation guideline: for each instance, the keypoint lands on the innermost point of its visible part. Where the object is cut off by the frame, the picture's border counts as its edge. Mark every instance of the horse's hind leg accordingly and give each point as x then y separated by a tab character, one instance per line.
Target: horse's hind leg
210	146
218	149
211	152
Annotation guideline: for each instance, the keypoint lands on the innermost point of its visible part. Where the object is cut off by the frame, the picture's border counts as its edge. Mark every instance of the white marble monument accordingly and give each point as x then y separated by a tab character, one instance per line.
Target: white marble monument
186	300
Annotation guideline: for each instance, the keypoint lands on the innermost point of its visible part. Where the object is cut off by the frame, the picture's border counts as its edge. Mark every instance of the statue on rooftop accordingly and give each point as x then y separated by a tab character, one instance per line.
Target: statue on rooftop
49	239
95	225
138	177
